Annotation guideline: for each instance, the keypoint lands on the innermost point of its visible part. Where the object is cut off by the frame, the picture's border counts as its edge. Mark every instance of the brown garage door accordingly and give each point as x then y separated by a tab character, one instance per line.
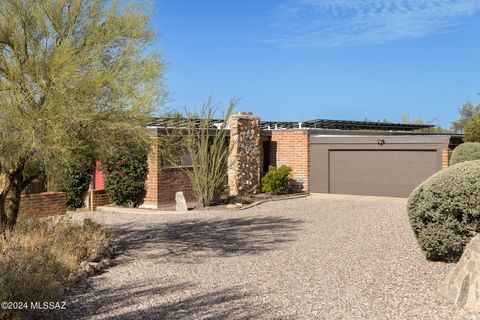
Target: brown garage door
380	173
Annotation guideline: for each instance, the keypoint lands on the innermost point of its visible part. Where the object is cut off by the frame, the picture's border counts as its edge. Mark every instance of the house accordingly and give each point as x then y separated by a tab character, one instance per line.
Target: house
327	156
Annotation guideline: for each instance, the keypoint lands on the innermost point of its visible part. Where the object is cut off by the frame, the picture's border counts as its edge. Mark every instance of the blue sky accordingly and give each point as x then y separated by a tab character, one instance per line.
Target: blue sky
335	59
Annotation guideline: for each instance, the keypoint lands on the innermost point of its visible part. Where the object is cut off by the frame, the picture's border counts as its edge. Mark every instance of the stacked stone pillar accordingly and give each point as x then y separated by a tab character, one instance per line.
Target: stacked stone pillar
244	162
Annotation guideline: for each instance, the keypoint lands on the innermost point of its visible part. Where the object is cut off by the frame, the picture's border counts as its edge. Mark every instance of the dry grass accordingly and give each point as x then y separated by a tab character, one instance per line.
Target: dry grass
39	257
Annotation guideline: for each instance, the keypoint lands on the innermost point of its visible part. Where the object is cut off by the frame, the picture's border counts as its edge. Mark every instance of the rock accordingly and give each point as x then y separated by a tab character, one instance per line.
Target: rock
462	285
83	264
238	205
81	275
95	265
181	203
106	262
231	206
89	269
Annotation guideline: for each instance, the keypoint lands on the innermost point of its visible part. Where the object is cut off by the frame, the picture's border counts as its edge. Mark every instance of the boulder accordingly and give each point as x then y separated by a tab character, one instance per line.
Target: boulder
89	269
462	285
181	203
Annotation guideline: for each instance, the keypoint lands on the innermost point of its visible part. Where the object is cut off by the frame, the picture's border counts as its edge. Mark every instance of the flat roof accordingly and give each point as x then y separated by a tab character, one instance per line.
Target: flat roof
309	124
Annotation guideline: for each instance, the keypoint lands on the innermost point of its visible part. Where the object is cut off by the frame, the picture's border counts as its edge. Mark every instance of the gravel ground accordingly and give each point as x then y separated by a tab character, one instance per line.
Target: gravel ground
310	258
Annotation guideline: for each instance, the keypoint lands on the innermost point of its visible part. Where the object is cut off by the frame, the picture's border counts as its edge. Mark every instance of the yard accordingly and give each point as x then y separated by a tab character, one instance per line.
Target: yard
322	257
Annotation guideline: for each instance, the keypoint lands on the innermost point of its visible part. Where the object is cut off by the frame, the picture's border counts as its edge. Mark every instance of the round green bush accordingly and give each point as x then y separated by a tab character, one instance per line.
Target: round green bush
74	181
125	175
444	211
467	151
277	180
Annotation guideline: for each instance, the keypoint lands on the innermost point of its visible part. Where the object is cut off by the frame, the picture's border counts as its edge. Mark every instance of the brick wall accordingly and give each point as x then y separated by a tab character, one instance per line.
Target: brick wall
171	180
43	204
98	198
446	154
291	148
163	182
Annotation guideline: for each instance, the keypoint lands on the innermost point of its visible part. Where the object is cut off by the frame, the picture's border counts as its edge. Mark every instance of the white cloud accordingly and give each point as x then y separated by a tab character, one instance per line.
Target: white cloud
330	23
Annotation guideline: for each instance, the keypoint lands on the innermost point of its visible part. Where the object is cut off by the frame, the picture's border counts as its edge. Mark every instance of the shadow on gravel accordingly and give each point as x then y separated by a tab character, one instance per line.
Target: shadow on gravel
123	303
191	241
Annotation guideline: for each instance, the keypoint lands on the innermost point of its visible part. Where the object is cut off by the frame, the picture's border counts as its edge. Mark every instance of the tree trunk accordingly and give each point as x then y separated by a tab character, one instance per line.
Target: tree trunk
10	198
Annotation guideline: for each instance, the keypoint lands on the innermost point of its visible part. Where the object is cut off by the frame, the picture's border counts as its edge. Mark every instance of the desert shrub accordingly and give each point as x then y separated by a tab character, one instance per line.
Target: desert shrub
74	181
38	257
466	152
444	211
276	181
125	175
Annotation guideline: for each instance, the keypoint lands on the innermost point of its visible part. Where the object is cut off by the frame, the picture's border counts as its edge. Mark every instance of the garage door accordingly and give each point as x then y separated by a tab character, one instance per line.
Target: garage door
380	173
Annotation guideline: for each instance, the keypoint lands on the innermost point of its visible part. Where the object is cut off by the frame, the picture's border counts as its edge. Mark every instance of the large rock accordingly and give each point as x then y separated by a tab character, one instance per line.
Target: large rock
462	285
181	203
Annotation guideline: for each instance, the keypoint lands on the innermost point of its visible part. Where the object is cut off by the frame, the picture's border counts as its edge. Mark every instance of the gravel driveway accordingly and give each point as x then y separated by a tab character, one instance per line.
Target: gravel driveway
318	257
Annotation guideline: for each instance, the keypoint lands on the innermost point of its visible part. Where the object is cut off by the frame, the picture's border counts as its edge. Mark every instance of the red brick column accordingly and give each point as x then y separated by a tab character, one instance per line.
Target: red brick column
151	197
291	148
446	154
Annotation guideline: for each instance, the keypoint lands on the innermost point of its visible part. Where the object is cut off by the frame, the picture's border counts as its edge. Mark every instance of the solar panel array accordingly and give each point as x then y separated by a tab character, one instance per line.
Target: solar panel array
310	124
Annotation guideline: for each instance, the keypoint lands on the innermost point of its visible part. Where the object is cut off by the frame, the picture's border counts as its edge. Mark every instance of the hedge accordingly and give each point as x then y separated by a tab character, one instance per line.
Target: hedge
467	151
125	175
444	211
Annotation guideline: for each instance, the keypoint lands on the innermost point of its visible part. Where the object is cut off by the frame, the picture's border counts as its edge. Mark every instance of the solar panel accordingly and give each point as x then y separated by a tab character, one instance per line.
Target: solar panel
285	125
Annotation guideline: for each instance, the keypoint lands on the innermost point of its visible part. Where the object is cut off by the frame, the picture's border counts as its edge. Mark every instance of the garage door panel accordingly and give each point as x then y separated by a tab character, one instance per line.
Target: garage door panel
379	172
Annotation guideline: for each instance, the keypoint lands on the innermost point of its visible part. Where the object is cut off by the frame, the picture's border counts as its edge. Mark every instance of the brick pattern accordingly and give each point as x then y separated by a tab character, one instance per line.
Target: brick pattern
98	198
170	181
446	154
43	204
163	182
291	148
152	182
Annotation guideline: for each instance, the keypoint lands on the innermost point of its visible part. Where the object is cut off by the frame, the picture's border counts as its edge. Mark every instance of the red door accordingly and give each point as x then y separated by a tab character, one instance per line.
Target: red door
98	177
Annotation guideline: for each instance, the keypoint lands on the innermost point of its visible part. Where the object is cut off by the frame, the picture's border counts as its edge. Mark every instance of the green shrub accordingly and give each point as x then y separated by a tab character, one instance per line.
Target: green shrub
125	175
444	211
74	182
277	180
466	152
38	257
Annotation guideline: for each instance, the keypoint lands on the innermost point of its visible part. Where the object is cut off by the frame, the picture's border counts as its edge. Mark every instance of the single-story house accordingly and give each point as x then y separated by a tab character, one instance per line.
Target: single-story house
327	156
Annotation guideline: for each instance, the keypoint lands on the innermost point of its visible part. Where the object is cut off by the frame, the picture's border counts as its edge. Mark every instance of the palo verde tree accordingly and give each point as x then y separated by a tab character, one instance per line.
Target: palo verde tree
74	76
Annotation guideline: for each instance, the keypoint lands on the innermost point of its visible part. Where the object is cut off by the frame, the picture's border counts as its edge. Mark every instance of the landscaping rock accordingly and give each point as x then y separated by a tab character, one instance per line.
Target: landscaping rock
95	265
462	285
181	203
106	262
89	269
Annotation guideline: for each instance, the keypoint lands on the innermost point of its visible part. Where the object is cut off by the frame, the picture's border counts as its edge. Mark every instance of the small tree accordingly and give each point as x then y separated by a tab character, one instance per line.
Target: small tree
203	141
74	77
467	112
472	129
126	172
74	179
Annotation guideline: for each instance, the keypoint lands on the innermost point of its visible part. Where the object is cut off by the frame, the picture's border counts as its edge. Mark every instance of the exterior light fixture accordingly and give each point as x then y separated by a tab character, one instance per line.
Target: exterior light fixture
380	142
